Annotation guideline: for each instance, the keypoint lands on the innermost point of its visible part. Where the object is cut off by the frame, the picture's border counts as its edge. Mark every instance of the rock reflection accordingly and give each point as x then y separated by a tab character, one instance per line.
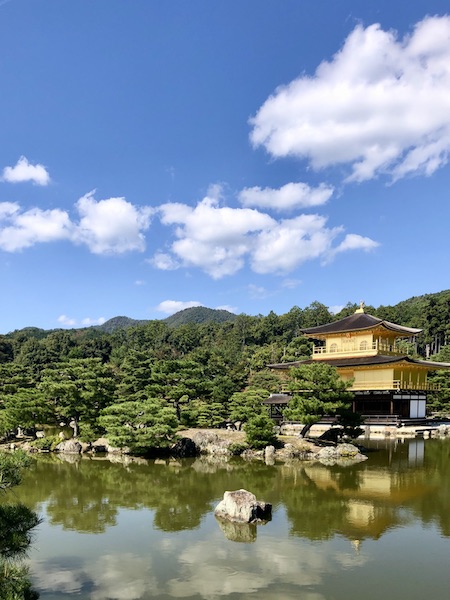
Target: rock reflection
238	532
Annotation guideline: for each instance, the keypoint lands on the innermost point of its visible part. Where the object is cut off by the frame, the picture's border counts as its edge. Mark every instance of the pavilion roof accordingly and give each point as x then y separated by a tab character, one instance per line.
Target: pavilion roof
365	361
359	321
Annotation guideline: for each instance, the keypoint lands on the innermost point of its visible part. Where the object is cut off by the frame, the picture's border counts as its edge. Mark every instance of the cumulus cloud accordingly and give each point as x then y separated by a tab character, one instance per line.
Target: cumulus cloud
164	261
291	284
111	226
170	307
288	197
258	292
19	230
86	322
8	209
219	240
352	241
24	171
66	321
213	238
336	308
231	309
380	105
292	242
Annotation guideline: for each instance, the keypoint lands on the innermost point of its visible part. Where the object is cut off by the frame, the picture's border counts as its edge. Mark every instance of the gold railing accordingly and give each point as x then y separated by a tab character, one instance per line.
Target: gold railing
356	349
396	384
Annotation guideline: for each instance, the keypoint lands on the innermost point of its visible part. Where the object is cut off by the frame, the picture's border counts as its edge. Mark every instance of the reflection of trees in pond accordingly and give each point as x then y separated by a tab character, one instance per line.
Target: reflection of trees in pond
360	501
347	478
313	513
85	496
434	507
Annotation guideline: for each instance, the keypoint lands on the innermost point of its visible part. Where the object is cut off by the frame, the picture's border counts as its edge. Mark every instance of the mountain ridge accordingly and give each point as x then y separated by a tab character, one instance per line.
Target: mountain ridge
411	311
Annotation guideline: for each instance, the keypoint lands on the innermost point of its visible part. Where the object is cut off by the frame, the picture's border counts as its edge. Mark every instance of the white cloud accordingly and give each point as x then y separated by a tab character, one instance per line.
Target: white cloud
291	284
24	171
172	306
219	240
66	321
87	321
380	105
335	309
19	230
111	226
352	241
258	292
213	238
164	261
231	309
292	242
8	210
288	197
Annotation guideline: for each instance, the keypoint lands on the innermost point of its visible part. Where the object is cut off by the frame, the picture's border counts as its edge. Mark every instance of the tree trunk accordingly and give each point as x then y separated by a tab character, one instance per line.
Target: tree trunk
74	424
305	430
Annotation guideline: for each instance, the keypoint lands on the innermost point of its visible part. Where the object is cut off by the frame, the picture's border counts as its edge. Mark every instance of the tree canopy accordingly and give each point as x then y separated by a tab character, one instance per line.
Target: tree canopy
207	371
317	390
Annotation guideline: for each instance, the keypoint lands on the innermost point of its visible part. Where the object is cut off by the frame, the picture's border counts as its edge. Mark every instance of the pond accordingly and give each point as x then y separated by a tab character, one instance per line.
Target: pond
380	529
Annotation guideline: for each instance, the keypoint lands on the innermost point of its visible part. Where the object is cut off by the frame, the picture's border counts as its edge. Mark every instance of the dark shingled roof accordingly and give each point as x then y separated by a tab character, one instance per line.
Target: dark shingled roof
363	361
357	322
277	399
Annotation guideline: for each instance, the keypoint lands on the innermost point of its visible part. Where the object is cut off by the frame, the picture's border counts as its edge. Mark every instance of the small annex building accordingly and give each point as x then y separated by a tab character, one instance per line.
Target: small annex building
366	350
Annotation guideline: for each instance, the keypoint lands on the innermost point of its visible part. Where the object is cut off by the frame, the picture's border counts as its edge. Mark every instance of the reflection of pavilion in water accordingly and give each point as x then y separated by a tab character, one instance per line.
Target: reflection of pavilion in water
376	495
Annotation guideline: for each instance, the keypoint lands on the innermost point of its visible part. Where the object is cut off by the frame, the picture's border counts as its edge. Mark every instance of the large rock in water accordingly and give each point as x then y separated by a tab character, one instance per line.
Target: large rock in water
241	506
342	454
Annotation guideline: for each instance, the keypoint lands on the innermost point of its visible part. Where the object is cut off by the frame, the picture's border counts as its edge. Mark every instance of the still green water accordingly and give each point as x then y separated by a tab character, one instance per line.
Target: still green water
380	529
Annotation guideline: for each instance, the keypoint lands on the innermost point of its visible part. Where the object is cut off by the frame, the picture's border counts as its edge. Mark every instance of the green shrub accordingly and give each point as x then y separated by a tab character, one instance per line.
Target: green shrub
47	443
260	432
237	448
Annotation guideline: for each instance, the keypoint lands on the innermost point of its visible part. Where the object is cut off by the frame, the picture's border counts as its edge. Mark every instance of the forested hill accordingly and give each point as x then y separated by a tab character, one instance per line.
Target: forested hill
430	312
199	314
196	314
120	323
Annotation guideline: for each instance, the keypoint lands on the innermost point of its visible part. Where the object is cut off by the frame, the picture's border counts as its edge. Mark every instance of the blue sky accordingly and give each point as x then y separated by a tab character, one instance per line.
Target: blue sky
251	155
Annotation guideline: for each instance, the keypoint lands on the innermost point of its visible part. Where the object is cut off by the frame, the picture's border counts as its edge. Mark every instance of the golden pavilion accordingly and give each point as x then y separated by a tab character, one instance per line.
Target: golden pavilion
367	351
